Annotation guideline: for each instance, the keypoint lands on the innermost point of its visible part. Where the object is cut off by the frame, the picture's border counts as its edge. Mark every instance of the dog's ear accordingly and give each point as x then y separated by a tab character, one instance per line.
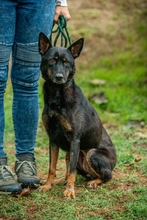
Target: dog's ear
76	47
44	44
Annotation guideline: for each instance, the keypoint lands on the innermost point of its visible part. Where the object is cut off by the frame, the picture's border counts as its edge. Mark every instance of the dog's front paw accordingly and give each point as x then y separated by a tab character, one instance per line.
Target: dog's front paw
93	184
45	187
69	192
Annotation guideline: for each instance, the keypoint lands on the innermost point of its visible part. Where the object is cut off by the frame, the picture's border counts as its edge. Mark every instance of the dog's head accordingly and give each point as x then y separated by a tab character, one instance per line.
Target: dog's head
57	63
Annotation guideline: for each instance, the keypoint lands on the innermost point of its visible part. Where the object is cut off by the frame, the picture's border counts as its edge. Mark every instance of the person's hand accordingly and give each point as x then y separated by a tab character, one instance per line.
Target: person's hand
61	10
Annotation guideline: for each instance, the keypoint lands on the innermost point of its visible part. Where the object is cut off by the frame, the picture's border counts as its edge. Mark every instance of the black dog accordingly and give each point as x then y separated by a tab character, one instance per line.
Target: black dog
71	122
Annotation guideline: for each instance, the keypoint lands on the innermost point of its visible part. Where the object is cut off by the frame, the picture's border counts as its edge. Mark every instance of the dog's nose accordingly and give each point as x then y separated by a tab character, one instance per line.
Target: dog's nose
59	76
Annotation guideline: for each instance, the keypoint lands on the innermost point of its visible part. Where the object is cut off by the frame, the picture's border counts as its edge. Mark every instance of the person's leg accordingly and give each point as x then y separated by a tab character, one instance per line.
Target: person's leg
7	29
33	17
8	182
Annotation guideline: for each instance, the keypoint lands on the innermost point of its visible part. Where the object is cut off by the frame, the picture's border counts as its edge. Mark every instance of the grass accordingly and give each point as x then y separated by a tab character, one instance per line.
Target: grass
124	116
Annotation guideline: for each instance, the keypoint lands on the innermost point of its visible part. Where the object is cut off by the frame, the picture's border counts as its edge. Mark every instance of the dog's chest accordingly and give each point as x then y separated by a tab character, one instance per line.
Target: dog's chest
60	107
59	129
58	114
59	120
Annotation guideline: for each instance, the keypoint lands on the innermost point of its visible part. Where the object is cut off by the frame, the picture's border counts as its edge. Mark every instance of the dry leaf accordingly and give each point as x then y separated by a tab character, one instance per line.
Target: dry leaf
98	82
24	192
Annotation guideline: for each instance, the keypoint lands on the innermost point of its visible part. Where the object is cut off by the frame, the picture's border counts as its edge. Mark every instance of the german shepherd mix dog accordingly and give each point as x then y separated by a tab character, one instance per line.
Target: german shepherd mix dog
71	122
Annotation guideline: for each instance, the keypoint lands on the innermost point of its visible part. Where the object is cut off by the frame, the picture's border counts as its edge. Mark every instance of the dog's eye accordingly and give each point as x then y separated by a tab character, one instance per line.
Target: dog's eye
52	61
65	61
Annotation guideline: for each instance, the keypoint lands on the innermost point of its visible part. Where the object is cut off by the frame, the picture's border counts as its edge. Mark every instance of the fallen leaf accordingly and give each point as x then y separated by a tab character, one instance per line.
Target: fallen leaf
98	82
137	159
24	192
99	98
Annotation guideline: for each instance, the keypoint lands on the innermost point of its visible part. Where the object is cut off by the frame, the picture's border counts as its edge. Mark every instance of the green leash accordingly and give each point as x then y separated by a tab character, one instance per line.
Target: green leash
62	33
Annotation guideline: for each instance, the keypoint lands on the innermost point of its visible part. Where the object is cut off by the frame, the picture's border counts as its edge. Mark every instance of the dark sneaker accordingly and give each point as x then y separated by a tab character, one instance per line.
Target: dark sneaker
26	171
8	182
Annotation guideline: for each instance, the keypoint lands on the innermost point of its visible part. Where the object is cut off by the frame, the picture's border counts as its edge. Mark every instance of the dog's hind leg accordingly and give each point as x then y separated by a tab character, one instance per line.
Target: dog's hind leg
95	166
100	166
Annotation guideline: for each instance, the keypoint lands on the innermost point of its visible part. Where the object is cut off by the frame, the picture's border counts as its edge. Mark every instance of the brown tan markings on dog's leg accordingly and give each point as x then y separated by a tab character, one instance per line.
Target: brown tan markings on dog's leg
69	192
93	183
52	170
57	181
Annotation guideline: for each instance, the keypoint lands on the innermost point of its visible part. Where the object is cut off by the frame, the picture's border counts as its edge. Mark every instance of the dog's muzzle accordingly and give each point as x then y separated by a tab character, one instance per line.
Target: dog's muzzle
59	78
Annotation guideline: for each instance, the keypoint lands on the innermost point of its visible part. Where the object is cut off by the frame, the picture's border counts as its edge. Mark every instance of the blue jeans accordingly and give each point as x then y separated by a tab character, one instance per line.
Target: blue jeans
20	24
